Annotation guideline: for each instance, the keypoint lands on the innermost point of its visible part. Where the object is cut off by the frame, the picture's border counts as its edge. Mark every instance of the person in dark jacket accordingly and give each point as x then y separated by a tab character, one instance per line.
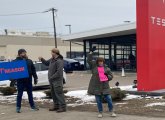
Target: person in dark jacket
132	61
26	83
98	87
55	76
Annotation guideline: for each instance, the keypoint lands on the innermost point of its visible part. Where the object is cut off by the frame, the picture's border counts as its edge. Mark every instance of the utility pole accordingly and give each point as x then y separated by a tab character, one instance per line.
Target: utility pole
70	31
53	10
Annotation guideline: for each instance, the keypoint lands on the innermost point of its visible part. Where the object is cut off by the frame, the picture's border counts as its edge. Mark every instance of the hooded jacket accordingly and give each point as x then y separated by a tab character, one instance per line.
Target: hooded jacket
96	87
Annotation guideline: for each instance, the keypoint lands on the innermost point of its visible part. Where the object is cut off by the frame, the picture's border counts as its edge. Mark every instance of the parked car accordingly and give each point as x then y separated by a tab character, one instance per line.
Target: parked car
81	61
70	65
42	72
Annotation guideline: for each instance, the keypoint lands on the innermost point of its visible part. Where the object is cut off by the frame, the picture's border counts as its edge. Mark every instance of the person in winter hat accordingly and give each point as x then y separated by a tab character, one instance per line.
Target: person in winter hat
26	83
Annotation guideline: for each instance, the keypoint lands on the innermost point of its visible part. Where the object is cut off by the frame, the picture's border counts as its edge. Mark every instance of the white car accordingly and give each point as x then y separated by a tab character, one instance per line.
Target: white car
42	72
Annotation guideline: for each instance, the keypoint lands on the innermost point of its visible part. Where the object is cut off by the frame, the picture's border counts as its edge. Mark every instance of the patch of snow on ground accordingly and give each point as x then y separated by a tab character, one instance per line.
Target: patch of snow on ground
79	104
154	97
37	95
81	94
12	98
155	104
121	103
128	88
8	99
129	97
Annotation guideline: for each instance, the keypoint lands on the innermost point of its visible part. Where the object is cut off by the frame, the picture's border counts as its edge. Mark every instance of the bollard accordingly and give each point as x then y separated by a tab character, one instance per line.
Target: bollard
123	72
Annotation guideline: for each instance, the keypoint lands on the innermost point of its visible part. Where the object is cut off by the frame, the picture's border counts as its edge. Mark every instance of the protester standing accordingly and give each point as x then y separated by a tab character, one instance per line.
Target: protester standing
26	83
98	87
55	76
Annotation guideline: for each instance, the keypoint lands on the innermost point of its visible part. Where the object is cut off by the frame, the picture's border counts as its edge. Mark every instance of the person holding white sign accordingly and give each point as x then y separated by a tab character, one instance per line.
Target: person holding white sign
99	83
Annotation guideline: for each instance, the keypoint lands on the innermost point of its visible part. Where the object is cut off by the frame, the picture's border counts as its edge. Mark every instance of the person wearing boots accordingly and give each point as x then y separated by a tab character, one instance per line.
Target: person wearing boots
55	76
99	83
26	83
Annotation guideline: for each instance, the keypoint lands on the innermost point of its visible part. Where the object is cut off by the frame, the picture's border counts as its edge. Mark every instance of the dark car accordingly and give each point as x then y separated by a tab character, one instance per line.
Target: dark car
71	65
81	61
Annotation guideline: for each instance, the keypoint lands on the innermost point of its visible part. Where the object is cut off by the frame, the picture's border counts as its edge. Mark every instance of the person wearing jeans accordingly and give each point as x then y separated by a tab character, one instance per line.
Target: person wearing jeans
99	83
99	99
21	85
26	83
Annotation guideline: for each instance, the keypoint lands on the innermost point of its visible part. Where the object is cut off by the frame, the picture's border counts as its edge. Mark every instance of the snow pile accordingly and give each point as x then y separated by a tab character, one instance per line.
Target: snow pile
38	96
5	83
85	98
82	95
8	99
155	104
11	97
128	88
154	97
129	97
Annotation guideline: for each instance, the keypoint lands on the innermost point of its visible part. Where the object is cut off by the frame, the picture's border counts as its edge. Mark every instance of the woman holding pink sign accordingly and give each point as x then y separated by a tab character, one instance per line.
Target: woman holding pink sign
99	83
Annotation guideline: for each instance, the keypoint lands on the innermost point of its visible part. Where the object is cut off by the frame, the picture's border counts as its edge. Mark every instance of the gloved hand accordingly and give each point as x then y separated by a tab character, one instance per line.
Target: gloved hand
35	81
93	49
106	74
110	77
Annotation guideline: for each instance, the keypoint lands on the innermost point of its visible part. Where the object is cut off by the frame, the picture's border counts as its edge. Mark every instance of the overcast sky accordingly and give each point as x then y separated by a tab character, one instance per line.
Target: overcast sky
81	14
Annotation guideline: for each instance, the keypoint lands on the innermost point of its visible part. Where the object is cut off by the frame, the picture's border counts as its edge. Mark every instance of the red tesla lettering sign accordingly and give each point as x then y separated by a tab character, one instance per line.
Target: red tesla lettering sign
151	44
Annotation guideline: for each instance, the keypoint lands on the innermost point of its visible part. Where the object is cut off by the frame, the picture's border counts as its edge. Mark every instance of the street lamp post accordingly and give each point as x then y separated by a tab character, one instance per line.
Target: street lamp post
69	26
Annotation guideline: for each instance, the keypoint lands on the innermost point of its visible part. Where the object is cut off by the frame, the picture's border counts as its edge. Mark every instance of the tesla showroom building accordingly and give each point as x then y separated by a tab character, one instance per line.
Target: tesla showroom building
122	45
117	44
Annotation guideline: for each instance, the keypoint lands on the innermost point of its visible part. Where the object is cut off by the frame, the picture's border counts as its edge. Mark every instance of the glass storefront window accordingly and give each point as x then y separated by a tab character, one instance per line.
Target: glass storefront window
114	51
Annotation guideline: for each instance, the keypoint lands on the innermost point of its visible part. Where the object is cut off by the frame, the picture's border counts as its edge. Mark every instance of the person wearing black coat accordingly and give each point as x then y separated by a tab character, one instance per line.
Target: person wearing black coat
26	83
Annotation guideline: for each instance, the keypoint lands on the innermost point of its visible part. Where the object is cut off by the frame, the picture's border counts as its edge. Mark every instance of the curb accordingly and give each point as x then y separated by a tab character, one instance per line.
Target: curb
146	93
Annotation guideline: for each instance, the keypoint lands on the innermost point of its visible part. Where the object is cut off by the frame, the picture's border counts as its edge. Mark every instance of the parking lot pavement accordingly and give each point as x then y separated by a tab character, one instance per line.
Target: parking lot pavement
8	113
80	80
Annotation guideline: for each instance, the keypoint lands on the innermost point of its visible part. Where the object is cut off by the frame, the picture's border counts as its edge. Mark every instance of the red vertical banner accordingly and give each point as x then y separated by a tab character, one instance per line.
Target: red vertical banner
151	44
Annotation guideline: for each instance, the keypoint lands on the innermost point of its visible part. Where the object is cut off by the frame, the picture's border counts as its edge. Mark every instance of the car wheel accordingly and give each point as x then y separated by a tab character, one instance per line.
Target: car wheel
82	67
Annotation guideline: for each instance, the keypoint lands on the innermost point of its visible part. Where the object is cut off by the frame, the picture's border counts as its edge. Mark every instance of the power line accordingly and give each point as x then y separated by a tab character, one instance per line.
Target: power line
20	14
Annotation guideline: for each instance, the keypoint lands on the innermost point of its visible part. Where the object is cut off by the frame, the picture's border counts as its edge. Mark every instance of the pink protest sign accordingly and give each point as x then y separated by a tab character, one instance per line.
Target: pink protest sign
102	75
